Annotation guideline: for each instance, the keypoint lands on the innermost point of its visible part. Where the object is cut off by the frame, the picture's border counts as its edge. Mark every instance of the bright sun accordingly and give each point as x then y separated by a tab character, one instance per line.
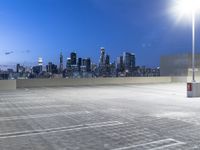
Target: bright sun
188	6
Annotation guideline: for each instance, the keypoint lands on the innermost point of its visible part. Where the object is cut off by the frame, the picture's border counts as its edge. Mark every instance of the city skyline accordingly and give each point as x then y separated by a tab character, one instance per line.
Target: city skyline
75	66
33	29
62	57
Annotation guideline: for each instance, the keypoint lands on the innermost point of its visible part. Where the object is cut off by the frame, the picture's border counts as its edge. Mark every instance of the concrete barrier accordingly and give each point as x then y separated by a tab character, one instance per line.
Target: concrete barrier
197	78
184	79
179	79
89	81
31	83
7	85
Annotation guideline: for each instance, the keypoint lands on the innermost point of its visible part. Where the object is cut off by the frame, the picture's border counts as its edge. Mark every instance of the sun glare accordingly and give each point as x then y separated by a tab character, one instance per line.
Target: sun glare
184	9
188	6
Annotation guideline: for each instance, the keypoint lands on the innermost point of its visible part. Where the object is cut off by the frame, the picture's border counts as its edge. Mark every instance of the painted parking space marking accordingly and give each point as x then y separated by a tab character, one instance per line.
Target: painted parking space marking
155	145
34	107
19	96
27	98
42	115
25	101
60	129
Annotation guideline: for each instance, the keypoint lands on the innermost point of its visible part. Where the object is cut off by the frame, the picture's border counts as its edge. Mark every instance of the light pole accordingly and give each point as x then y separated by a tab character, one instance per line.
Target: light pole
193	46
190	7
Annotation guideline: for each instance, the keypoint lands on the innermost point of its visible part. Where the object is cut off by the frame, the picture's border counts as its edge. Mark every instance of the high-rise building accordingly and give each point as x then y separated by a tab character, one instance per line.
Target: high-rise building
68	64
17	68
88	64
40	64
49	67
36	70
104	64
102	57
73	58
107	60
40	61
132	60
113	70
20	69
61	63
79	63
84	62
119	64
68	72
126	60
129	61
107	65
52	68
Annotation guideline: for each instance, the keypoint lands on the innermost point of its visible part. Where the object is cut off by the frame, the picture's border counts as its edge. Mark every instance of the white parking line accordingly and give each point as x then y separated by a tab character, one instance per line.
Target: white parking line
169	145
42	115
33	107
25	101
25	95
16	98
164	142
60	129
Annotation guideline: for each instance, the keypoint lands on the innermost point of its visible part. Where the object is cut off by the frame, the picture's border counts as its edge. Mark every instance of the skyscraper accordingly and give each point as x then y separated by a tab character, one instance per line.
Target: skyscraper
40	64
132	60
79	64
107	60
68	64
129	62
104	64
107	65
61	63
68	72
52	68
102	57
20	69
40	61
17	68
73	58
88	64
49	67
120	65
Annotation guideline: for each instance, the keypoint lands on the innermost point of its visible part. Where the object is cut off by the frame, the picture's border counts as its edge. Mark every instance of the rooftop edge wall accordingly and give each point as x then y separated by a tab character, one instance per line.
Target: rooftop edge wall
31	83
7	85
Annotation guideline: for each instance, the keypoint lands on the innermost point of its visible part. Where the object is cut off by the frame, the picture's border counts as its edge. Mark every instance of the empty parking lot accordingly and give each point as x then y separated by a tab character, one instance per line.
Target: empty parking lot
139	117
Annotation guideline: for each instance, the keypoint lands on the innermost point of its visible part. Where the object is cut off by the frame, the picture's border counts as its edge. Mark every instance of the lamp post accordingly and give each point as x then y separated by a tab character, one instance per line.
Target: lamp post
193	46
191	7
193	88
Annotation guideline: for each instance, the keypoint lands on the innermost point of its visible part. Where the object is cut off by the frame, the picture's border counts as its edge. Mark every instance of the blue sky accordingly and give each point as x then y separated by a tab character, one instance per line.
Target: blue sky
42	28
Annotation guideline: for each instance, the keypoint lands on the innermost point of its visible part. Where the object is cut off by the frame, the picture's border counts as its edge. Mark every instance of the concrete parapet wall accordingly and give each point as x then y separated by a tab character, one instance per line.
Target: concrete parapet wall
197	78
184	79
179	79
90	81
7	85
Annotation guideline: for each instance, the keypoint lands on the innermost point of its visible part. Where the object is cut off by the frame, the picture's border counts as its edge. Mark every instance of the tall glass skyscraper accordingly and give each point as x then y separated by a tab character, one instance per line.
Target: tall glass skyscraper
73	58
128	61
61	62
102	57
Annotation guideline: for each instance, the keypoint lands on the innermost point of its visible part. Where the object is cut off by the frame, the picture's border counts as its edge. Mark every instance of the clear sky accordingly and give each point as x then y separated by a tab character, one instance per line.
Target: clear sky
42	28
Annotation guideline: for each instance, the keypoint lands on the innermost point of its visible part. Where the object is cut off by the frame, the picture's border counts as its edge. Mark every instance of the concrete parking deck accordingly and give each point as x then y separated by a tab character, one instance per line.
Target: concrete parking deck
139	117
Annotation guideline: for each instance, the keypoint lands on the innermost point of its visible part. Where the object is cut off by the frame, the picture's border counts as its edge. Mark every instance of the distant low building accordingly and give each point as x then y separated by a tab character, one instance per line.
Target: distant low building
179	64
37	69
4	75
